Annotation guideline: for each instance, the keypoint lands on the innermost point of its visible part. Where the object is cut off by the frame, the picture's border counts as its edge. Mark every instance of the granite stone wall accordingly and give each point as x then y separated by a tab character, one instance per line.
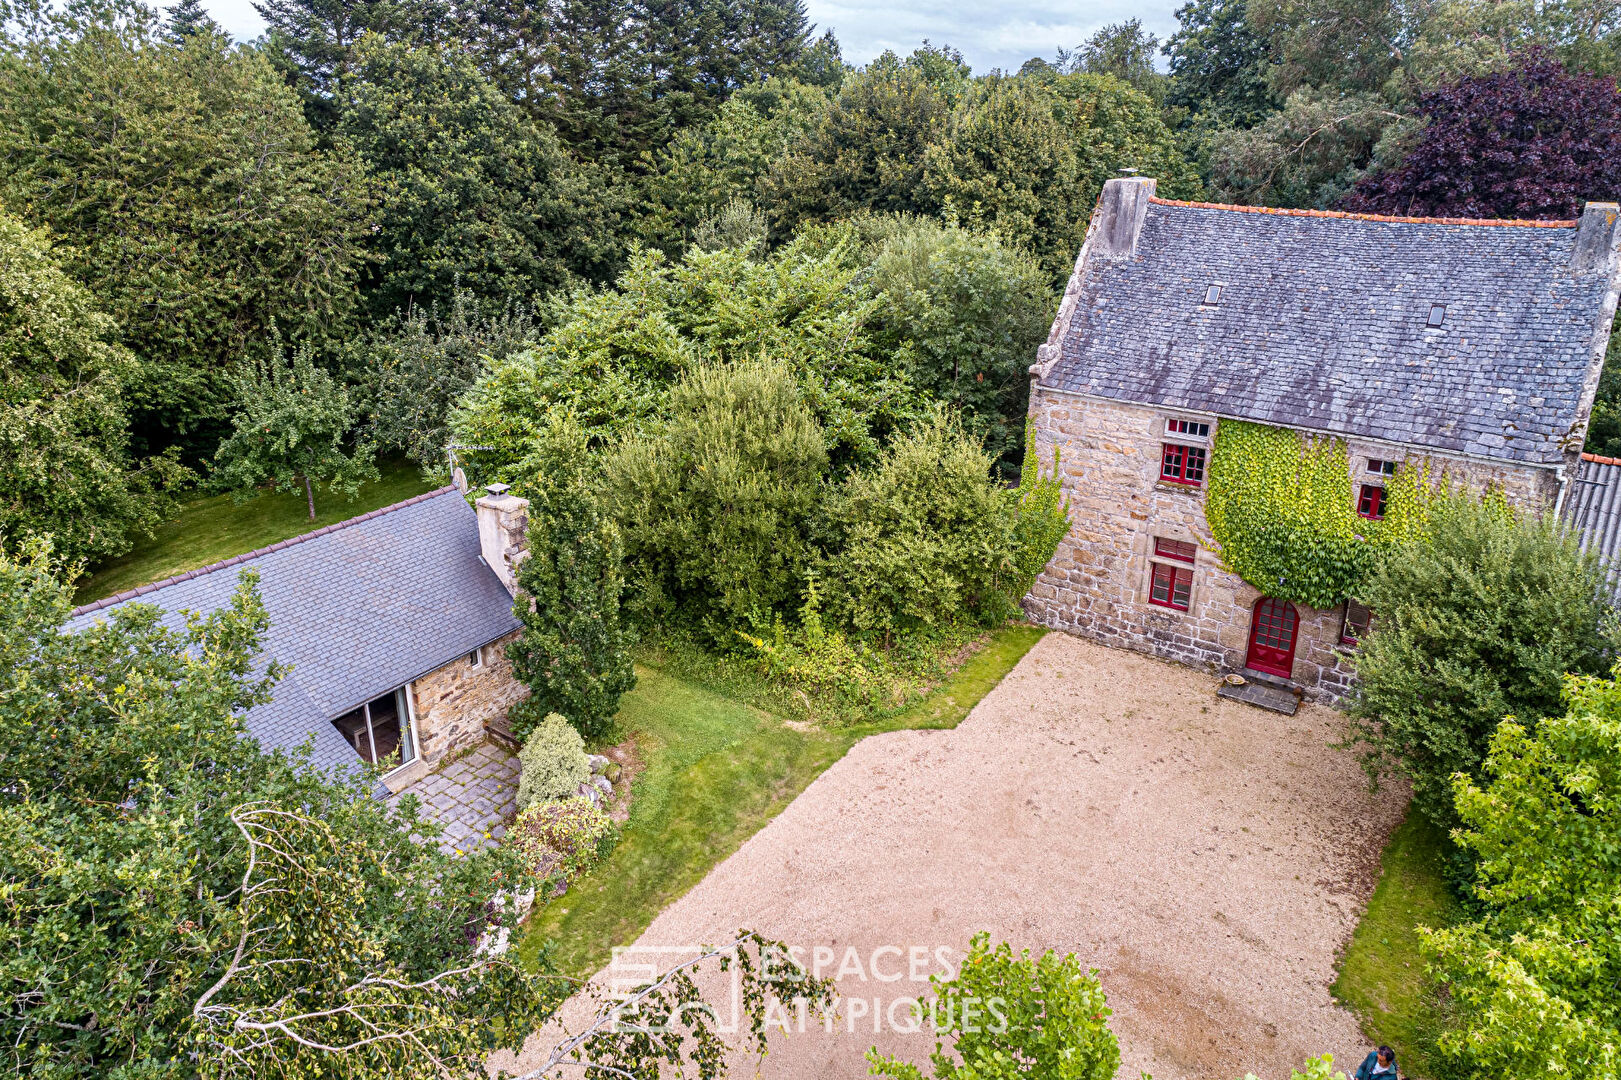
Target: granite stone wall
454	702
1097	584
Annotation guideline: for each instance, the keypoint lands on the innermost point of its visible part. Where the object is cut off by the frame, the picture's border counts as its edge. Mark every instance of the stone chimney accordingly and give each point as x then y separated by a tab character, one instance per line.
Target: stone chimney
1119	219
1112	235
1595	237
503	524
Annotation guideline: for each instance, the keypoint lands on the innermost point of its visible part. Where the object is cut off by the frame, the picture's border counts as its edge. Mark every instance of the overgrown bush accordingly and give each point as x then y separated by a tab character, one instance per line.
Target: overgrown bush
574	650
612	357
562	839
1534	983
553	761
925	537
1050	1020
1478	620
714	506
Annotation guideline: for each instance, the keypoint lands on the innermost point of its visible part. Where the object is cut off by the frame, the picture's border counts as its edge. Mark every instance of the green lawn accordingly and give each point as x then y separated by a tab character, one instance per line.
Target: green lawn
209	529
1381	975
715	772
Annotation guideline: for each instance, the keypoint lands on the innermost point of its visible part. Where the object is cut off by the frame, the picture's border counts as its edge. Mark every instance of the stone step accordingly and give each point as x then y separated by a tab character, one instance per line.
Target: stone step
1262	695
499	730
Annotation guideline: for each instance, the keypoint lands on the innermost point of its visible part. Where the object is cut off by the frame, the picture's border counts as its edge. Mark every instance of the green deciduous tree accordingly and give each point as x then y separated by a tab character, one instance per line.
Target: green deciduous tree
714	506
292	431
65	466
1478	621
1122	50
611	356
1308	154
706	167
469	190
142	838
414	367
1219	64
1532	981
964	311
1029	157
574	652
191	195
1010	1016
867	148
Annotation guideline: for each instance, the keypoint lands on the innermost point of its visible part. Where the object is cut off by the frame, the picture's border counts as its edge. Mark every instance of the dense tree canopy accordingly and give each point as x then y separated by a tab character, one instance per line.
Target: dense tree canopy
1532	979
1219	64
65	467
189	195
469	191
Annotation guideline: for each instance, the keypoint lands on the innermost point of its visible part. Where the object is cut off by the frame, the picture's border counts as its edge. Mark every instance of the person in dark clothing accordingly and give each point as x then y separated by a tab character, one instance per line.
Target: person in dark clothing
1379	1065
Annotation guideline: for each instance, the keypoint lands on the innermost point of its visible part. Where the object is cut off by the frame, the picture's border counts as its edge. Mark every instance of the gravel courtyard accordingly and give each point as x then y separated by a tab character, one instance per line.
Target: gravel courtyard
1207	857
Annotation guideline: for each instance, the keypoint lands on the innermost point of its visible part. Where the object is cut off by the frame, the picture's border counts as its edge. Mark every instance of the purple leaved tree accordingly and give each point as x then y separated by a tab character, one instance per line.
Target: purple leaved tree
1533	141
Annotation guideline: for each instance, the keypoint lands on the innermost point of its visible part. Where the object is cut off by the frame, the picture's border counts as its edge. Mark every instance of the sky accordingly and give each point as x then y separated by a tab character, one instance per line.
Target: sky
988	35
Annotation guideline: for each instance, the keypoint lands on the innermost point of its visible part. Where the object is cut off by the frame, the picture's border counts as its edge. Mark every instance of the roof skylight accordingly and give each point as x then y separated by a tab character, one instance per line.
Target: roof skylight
1438	315
1212	296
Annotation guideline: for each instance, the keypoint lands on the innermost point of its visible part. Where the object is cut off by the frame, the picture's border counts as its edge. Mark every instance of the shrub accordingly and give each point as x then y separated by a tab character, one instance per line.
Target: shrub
1478	620
554	762
924	538
563	838
1534	983
1051	1020
713	509
574	651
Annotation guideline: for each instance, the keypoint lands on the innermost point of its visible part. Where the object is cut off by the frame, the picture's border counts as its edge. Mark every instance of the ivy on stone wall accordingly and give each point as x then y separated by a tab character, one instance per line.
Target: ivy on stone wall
1282	507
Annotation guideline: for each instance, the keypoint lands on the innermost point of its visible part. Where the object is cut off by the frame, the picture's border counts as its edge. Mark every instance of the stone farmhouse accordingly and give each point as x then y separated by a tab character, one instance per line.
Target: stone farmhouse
394	626
1472	346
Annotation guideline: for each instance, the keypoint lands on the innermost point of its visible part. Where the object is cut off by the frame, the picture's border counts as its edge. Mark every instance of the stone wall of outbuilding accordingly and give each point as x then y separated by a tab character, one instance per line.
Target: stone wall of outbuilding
1097	584
454	703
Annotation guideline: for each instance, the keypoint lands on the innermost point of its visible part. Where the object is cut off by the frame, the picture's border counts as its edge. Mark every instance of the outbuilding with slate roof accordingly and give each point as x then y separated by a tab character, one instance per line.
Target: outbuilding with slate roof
1470	347
393	628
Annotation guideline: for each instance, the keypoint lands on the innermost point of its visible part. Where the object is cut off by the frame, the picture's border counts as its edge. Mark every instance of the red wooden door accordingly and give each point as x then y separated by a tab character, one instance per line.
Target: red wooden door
1272	637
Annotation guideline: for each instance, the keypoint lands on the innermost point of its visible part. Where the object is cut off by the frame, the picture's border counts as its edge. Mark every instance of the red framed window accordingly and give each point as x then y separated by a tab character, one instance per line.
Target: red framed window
1371	503
1182	464
1191	428
1357	618
1180	550
1171	587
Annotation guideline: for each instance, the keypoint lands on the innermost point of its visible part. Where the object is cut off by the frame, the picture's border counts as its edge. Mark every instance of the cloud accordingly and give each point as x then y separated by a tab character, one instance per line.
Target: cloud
988	35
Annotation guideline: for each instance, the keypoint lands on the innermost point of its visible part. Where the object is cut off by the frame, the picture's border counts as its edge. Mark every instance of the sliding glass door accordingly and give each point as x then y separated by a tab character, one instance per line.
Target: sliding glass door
380	730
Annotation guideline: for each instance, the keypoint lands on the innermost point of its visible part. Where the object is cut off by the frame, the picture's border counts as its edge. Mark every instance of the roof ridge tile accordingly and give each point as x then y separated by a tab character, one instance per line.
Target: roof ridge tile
1524	223
153	586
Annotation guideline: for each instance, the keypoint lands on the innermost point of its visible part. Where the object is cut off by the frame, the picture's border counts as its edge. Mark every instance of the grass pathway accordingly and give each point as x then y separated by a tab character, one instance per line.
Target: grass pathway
1382	976
715	772
213	527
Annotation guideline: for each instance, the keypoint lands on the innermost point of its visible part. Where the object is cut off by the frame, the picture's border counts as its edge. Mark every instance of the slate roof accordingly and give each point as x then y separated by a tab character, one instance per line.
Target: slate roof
1593	508
356	609
1321	325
